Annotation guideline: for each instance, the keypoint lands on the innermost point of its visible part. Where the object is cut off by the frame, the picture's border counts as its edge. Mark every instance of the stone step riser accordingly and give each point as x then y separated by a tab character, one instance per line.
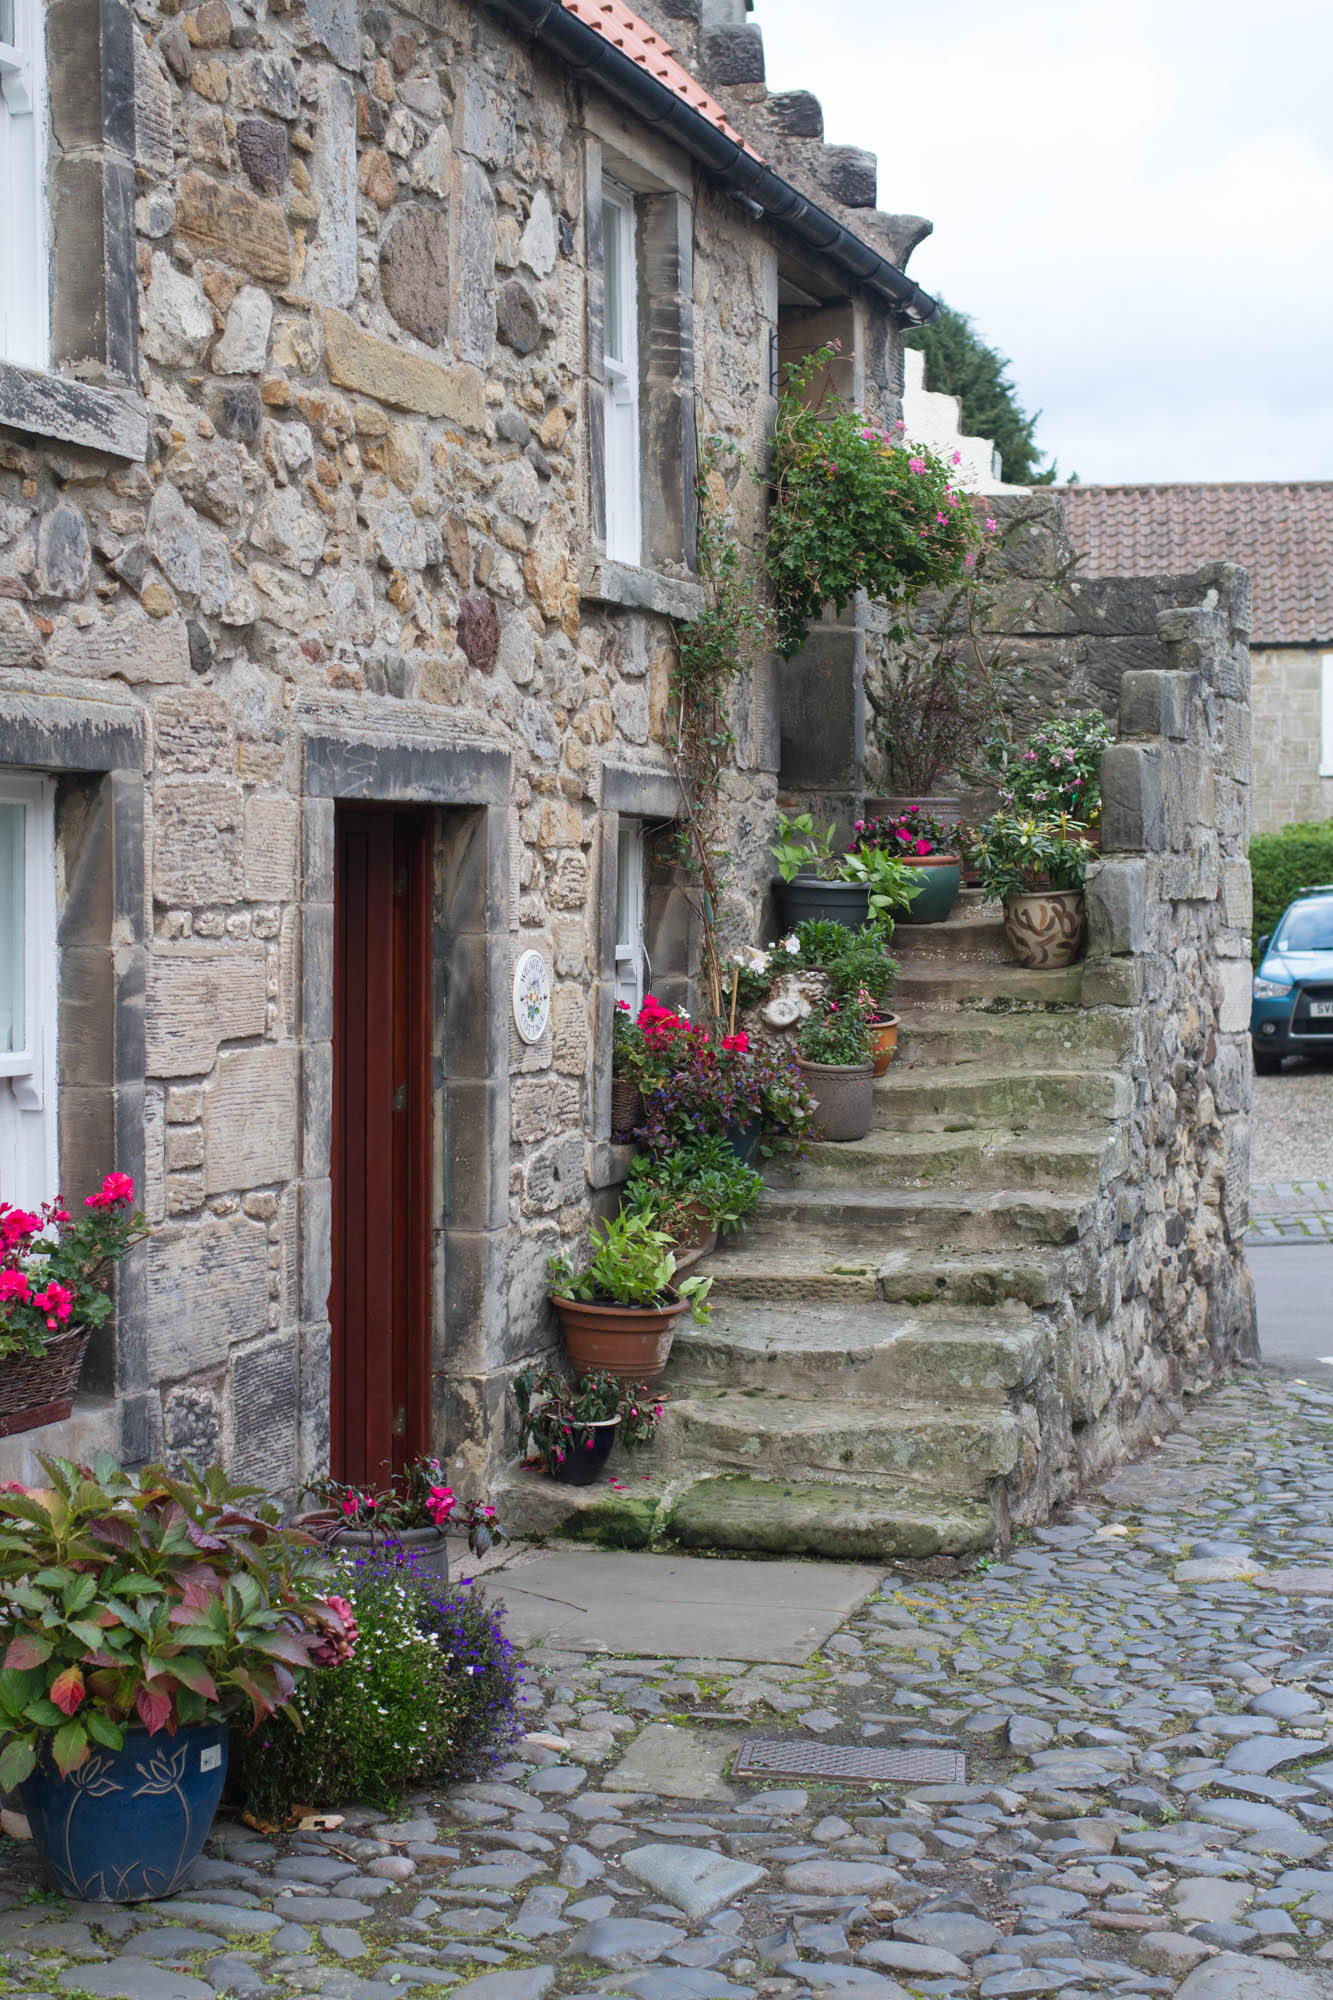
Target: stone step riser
972	1167
958	940
928	1454
947	983
967	1372
919	1221
1023	1044
912	1282
1067	1101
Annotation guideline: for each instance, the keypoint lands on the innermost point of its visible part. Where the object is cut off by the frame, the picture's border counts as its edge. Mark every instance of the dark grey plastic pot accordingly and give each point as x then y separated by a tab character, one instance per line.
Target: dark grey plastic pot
807	898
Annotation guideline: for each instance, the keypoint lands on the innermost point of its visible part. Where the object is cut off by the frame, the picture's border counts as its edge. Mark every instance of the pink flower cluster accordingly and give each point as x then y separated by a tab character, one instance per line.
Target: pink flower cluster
115	1189
440	1504
343	1634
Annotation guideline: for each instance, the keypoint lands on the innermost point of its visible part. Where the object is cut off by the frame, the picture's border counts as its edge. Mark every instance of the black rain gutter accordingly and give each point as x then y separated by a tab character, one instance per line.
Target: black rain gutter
583	49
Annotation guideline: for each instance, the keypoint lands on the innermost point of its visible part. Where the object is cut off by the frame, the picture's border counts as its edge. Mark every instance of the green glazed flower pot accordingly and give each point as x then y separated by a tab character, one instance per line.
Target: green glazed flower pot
942	878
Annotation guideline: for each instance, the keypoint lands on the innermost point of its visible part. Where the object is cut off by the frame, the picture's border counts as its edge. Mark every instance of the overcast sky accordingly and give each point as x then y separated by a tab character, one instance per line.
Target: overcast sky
1132	198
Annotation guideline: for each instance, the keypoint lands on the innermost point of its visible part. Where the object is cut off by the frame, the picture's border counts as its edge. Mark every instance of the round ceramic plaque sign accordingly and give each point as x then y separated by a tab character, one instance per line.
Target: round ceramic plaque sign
532	996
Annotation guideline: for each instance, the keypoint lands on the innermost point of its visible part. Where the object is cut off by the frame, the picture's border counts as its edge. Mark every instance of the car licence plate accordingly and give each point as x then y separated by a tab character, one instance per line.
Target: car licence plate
1321	1009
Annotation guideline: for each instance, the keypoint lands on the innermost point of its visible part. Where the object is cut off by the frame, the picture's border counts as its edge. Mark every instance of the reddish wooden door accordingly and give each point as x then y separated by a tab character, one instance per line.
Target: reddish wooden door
380	1298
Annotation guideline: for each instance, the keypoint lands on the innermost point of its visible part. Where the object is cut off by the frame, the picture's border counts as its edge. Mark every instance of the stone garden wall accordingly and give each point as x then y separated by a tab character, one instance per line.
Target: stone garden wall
361	557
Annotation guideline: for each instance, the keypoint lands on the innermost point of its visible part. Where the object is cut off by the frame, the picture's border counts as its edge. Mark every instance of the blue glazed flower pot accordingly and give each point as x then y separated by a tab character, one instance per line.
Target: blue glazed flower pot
744	1140
127	1825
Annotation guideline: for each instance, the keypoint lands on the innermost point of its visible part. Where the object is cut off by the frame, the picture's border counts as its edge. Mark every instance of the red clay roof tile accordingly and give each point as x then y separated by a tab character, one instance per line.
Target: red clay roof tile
643	45
1283	534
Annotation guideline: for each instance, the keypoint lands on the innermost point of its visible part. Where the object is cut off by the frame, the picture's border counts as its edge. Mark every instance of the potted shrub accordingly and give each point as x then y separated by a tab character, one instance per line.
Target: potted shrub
408	1517
834	1046
1057	769
810	879
694	1191
927	849
618	1314
573	1426
54	1271
858	966
141	1611
1036	867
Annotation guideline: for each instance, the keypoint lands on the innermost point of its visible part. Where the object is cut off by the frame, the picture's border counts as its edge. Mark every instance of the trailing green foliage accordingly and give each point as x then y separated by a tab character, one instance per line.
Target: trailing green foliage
959	363
854	510
1058	768
1296	857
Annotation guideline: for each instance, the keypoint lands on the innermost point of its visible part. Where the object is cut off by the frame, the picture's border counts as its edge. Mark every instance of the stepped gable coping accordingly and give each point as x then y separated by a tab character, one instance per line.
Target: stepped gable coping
1280	531
643	45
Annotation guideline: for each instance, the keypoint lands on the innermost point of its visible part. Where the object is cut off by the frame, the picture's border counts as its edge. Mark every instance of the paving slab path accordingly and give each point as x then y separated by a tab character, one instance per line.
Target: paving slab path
1144	1695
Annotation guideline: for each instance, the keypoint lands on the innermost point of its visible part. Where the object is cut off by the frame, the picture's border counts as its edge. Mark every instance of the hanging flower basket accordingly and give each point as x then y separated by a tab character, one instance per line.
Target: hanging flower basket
37	1389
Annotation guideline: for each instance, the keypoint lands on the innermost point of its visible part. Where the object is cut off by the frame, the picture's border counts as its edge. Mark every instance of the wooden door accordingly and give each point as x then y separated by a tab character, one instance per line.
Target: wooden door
380	1298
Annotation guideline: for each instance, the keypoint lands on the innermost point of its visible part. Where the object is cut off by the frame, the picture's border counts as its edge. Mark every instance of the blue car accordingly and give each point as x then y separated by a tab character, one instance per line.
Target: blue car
1292	1010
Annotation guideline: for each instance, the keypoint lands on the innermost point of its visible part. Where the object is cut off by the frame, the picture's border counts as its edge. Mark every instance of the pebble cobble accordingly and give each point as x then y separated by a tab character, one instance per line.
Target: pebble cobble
1143	1689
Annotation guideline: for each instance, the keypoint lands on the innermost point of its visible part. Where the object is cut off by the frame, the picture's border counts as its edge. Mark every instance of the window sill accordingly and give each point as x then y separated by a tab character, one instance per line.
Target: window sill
608	1163
55	406
606	582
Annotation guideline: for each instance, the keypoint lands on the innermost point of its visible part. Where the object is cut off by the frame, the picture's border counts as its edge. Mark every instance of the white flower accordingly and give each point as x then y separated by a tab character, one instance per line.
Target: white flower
792	945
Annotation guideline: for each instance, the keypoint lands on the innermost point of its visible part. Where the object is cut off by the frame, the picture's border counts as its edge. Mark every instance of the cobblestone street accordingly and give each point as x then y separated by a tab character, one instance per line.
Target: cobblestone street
1143	1694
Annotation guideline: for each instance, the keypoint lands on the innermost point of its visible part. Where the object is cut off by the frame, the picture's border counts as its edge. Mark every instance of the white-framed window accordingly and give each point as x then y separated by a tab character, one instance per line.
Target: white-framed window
1326	716
28	1157
631	958
620	371
24	332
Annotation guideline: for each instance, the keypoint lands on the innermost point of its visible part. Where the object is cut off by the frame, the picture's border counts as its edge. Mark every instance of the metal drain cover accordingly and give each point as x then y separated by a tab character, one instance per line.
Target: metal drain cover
863	1764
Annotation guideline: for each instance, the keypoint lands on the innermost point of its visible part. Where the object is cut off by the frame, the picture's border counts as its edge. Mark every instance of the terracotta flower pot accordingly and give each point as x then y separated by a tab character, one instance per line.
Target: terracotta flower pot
884	1042
844	1095
630	1342
1045	927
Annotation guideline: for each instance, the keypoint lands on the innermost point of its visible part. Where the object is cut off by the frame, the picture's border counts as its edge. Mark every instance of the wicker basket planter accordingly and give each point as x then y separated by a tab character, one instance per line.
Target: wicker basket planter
627	1107
38	1389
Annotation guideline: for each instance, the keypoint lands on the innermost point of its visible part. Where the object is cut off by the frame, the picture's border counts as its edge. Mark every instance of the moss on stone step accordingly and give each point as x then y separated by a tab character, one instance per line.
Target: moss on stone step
817	1518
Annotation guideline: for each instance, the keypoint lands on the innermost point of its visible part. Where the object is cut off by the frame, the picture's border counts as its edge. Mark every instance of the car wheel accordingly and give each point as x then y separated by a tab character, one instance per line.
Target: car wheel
1266	1065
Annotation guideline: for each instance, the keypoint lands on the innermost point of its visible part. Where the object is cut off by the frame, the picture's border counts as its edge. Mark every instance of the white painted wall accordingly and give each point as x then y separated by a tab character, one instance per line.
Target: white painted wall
934	421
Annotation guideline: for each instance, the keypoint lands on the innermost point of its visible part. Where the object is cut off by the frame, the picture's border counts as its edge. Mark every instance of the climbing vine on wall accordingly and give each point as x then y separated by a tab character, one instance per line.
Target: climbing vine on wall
713	651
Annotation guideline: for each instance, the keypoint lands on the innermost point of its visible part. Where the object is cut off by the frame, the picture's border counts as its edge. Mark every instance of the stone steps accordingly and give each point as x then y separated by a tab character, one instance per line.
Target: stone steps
797	1348
1033	1043
871	1378
828	1267
935	1100
978	1157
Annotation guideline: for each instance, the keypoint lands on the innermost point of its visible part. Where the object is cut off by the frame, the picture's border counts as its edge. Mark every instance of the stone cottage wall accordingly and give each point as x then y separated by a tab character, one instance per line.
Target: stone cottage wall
360	559
1288	737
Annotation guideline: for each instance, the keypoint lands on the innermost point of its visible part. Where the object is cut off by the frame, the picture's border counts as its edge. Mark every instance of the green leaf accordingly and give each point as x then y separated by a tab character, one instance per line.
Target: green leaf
17	1761
69	1747
80	1593
103	1730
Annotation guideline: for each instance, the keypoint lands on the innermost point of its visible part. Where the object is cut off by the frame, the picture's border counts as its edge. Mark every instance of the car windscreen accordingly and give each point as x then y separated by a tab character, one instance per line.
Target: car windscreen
1307	927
